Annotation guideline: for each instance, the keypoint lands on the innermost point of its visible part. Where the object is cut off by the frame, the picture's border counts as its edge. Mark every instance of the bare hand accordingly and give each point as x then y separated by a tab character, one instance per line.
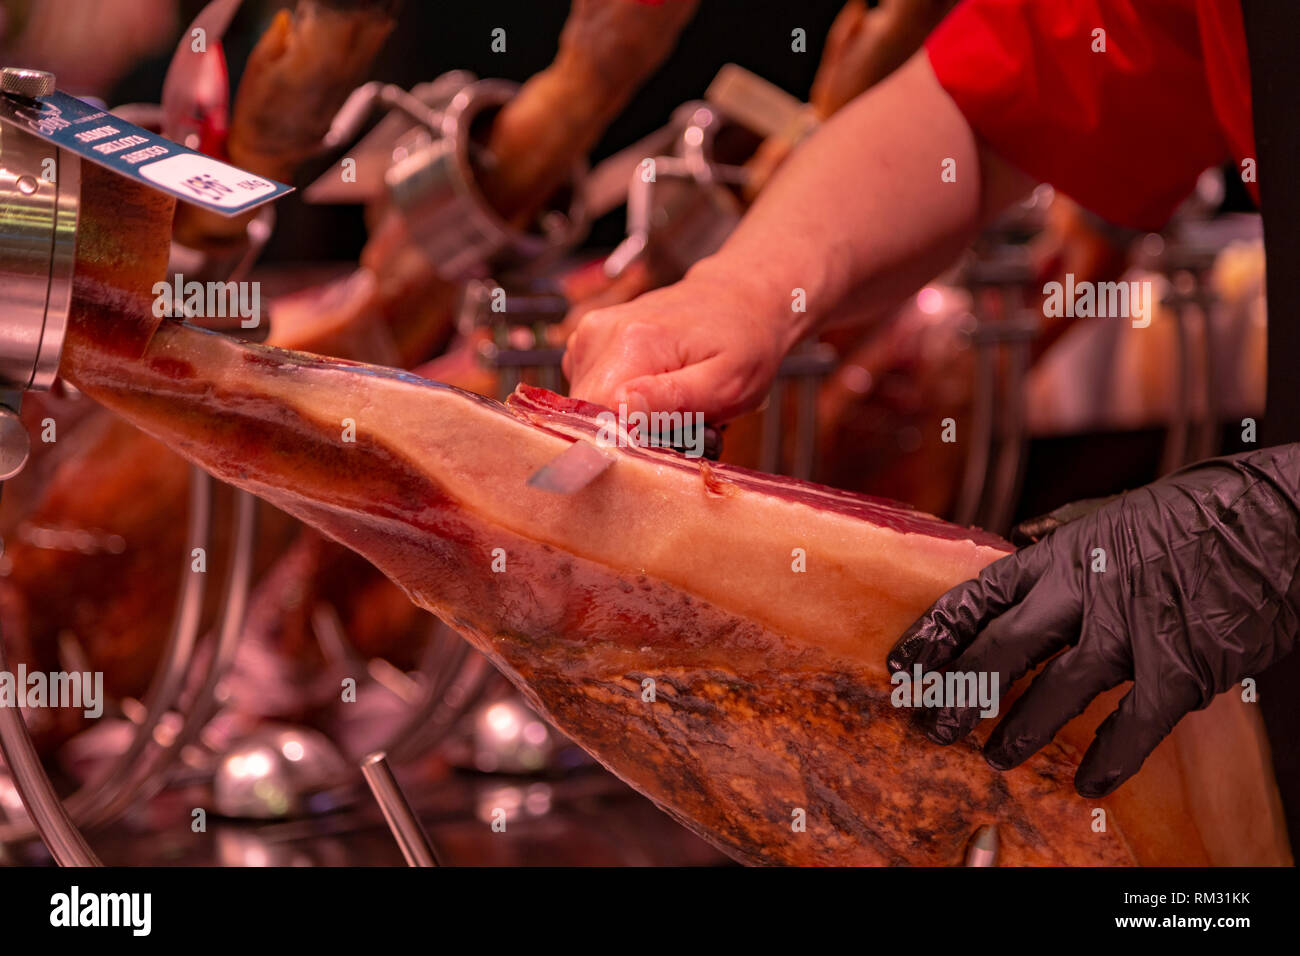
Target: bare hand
702	345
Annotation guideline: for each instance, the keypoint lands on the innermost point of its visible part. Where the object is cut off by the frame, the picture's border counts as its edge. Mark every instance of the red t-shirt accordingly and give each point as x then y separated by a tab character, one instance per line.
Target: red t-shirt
1125	132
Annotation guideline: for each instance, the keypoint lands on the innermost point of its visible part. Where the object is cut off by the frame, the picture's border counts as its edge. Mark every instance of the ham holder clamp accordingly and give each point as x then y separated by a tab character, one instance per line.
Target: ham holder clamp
423	156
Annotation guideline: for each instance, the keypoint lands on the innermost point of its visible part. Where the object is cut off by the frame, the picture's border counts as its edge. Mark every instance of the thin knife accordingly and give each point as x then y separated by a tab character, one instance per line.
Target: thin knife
582	463
572	469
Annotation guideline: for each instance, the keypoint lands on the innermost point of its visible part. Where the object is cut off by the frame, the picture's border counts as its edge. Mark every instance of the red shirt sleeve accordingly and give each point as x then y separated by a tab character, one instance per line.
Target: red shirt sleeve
1124	132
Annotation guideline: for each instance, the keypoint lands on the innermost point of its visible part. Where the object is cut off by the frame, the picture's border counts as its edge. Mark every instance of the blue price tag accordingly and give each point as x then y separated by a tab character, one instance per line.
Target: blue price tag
99	136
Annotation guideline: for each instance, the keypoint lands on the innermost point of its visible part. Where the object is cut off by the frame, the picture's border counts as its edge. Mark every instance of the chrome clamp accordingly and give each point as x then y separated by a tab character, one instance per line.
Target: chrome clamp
412	122
422	156
437	190
678	207
518	320
40	190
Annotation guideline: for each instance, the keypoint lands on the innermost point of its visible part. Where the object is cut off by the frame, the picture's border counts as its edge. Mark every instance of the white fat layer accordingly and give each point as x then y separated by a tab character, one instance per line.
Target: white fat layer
863	583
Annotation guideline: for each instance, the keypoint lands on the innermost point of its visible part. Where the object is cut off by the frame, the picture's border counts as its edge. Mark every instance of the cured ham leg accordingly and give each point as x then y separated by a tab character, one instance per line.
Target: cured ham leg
301	71
771	705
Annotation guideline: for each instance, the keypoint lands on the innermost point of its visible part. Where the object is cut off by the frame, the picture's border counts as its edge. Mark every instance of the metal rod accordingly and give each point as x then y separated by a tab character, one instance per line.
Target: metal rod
983	849
46	811
805	429
402	821
1207	441
975	474
1013	454
169	681
772	434
427	728
234	604
1174	455
516	359
1008	468
91	801
447	655
146	777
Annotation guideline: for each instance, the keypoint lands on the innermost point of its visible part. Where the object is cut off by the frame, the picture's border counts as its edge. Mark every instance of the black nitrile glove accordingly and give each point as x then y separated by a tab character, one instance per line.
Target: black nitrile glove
1200	589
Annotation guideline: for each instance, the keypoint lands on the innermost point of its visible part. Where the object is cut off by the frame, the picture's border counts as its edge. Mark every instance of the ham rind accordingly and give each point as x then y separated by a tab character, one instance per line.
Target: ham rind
770	732
579	419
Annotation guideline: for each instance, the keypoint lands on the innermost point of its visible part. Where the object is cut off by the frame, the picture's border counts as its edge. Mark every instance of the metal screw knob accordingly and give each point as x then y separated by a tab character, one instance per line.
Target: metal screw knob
15	444
16	81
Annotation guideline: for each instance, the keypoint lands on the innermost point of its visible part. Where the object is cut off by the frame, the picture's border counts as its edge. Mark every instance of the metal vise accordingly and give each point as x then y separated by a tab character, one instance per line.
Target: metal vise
423	157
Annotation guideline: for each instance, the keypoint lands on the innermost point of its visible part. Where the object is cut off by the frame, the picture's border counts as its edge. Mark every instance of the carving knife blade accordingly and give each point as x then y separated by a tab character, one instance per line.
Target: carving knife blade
572	469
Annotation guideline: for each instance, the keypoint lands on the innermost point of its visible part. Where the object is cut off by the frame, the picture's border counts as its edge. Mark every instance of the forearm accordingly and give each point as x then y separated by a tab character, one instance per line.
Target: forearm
862	212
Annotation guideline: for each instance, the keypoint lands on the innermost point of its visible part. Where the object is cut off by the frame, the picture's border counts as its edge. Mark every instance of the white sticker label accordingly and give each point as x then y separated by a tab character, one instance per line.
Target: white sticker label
207	180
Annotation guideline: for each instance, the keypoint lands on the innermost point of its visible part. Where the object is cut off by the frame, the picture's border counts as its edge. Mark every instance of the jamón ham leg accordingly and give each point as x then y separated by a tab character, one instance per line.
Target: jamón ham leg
771	695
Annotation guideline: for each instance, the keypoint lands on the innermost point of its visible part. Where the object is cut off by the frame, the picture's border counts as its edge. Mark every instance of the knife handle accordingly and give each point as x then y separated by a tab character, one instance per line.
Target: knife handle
712	450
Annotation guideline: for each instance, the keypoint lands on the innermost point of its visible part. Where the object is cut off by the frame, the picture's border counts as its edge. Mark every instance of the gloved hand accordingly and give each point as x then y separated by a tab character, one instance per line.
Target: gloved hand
1200	589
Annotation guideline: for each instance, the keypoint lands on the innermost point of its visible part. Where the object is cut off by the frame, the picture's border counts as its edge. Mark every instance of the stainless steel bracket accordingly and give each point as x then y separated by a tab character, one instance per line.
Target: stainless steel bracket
1002	337
437	189
40	192
678	208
